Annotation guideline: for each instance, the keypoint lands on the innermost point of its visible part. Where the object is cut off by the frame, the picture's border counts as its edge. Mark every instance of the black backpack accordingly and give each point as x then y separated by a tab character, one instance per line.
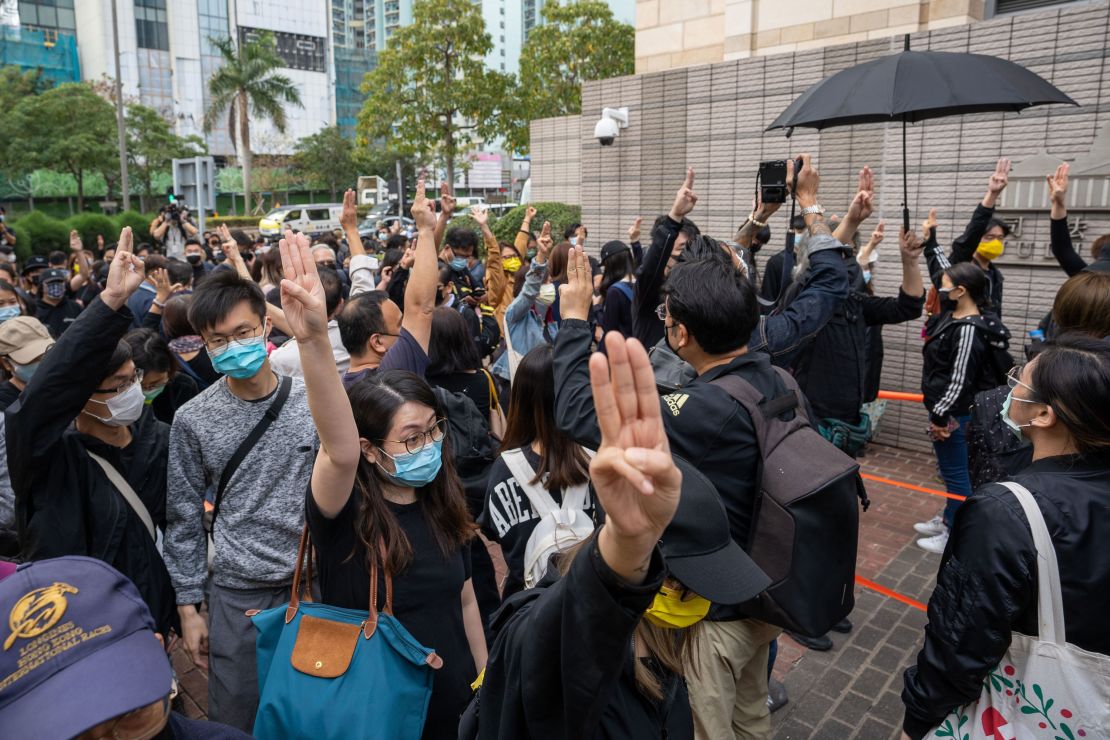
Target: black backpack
473	446
806	522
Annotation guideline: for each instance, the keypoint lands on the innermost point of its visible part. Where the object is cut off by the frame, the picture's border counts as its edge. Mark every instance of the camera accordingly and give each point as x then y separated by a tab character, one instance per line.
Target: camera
609	127
772	180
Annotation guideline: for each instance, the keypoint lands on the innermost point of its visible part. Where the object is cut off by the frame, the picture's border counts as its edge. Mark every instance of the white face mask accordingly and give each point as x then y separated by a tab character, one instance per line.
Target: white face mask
547	294
124	409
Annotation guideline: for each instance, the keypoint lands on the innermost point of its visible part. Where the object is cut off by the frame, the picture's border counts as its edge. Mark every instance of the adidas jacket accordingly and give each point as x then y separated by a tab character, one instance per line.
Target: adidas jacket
957	360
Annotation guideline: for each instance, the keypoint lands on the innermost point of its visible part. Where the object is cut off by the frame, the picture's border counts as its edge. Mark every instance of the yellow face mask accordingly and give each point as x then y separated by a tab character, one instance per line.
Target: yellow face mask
512	264
670	611
990	250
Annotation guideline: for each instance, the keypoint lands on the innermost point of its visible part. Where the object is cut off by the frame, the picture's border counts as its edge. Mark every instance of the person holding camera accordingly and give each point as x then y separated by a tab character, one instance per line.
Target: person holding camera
171	227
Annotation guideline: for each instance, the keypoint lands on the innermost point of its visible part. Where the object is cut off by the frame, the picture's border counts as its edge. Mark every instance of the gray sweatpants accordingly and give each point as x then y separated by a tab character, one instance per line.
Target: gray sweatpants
232	668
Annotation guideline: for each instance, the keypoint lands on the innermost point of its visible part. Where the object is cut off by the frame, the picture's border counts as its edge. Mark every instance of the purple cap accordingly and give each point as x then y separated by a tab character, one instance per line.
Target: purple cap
77	648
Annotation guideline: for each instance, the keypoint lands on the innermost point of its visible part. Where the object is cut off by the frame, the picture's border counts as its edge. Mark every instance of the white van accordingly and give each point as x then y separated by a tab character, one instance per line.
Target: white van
314	219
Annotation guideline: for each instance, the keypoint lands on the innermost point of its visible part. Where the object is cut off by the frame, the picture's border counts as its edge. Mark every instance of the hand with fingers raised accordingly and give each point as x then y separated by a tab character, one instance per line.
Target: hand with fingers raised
125	274
1058	191
302	293
997	183
685	199
423	209
576	295
633	472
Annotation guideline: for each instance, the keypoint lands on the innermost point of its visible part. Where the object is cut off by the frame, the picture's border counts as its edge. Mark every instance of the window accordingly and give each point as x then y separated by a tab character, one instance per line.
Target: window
150	25
48	15
318	214
292	216
296	50
1016	6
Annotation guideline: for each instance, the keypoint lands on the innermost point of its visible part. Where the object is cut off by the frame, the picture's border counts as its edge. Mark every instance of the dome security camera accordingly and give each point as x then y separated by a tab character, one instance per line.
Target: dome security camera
609	127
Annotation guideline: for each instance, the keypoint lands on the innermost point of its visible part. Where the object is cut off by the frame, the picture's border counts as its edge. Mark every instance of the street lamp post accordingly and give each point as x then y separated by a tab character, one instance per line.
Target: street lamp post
125	188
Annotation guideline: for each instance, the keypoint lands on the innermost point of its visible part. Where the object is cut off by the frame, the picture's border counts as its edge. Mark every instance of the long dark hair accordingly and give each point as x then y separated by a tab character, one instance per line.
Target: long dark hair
375	400
532	416
1072	376
451	348
971	277
617	268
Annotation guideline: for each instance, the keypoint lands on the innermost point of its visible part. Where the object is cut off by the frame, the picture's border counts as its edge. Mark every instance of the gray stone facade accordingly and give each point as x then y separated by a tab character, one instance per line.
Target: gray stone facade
712	118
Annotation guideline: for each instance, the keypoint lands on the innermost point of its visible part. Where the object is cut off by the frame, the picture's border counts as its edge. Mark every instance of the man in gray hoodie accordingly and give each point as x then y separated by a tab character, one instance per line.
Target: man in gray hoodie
258	518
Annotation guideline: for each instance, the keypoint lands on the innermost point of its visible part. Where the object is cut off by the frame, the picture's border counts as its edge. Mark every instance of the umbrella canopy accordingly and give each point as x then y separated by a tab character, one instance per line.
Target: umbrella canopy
918	85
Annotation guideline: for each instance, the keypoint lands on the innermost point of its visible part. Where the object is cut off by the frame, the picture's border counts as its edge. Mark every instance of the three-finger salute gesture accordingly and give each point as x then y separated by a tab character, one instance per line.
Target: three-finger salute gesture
997	183
633	472
302	293
423	210
125	274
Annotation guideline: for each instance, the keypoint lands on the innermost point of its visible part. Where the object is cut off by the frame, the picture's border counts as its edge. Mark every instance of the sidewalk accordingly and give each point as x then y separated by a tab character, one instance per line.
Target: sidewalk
852	691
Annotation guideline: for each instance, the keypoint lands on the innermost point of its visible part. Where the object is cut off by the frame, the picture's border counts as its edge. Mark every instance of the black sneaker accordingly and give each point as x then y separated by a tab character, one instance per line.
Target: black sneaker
843	626
776	695
821	644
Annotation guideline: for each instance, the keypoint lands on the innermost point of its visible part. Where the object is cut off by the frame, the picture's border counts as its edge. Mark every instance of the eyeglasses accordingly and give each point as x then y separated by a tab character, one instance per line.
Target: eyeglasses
1013	379
416	441
218	344
137	377
661	311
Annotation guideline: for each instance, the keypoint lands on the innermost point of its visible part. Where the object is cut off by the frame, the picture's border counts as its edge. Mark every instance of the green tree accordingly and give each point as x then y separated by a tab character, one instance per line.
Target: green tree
326	159
431	94
246	84
578	41
69	129
152	146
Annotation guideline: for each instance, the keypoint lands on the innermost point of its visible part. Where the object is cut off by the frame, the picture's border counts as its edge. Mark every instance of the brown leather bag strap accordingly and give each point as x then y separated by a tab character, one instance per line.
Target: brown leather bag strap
371	623
388	581
295	596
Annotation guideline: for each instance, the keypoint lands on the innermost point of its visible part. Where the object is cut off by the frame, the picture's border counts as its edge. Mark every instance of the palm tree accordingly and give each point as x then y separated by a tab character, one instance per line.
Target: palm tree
246	84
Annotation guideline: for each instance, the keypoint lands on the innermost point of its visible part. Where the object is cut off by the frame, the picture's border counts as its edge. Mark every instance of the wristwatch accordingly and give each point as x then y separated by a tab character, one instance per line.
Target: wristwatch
813	209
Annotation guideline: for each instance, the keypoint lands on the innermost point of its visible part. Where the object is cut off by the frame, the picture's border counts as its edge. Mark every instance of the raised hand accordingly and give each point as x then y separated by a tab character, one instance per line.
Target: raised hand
125	274
861	206
576	295
423	209
447	202
162	287
997	183
529	214
808	180
580	236
685	199
910	245
75	241
481	215
408	257
348	219
1058	190
929	224
878	234
634	230
633	472
543	244
302	293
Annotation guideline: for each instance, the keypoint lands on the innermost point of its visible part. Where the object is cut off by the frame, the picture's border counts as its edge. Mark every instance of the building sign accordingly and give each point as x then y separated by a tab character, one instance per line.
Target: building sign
296	50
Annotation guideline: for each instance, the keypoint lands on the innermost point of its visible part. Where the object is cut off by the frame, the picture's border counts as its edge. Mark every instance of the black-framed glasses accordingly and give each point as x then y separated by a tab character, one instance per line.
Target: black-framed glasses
417	440
136	377
243	336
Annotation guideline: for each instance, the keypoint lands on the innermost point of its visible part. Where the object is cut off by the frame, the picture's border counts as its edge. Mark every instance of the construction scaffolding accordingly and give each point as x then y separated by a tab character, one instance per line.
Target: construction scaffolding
54	53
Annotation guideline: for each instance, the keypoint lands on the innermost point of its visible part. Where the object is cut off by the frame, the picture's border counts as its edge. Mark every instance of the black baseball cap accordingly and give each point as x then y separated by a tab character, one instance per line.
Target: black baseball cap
34	262
613	248
698	547
53	275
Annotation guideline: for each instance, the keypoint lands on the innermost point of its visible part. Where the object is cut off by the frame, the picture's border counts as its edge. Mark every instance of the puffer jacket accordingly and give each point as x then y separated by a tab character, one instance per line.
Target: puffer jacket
987	584
959	362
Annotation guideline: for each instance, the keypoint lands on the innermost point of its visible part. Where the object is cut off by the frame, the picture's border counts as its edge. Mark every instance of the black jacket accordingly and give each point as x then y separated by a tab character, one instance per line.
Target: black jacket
561	664
65	504
963	249
704	424
646	326
57	318
832	369
987	587
958	363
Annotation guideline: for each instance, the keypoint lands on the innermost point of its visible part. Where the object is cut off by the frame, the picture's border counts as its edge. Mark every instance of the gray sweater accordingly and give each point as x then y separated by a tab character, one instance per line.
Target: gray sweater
262	510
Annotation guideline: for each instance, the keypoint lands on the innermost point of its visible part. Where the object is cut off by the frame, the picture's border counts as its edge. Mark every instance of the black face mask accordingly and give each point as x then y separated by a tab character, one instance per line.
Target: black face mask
946	303
667	338
193	259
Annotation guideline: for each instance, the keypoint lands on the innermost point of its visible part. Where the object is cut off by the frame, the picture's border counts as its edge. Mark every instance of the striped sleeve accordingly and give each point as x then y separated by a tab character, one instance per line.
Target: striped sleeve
965	341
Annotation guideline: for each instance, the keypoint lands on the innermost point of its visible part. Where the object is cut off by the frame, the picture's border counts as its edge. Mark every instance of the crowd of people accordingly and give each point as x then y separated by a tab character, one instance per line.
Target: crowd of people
461	488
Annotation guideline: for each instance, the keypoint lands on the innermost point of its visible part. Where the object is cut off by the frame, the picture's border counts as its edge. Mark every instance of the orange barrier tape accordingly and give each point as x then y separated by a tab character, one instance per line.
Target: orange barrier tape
900	396
892	594
912	487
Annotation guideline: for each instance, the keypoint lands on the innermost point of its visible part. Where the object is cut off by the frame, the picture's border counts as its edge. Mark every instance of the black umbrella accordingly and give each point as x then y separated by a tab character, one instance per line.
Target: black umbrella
914	86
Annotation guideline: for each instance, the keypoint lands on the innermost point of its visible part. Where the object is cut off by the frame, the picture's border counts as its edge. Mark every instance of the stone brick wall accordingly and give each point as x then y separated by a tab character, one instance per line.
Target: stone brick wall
712	118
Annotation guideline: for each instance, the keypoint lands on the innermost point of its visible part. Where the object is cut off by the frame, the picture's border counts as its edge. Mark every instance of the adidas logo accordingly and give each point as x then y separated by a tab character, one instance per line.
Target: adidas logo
675	402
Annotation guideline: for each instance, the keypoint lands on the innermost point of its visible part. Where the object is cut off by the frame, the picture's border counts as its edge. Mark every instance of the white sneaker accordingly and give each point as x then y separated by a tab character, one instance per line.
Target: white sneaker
934	544
931	528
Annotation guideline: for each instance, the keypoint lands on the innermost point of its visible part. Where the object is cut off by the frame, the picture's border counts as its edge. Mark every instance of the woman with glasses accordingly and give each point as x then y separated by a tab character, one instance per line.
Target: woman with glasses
957	365
384	486
987	585
87	466
165	389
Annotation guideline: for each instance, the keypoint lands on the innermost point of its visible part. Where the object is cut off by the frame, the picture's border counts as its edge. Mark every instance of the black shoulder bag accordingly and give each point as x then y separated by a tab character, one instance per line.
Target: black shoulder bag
245	447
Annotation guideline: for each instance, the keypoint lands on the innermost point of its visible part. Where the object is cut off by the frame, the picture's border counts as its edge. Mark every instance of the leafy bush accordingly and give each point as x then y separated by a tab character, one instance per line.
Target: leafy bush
88	225
561	215
140	226
43	233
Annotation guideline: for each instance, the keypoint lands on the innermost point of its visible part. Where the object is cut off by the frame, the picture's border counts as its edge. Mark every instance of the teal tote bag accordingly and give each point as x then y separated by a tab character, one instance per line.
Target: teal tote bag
328	672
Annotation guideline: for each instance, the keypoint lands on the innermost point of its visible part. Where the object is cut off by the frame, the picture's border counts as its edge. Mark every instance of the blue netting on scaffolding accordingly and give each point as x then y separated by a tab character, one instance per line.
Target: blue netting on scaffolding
54	53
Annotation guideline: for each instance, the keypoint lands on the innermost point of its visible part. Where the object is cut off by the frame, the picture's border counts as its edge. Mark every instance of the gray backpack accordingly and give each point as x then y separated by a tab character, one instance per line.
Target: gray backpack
806	522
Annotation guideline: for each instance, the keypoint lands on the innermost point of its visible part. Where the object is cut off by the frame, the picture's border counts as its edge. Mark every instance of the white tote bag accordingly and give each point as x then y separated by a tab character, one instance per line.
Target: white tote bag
1044	688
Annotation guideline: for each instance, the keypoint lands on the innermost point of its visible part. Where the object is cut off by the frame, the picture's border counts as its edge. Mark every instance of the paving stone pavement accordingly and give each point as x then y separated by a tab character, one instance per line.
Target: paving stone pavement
852	691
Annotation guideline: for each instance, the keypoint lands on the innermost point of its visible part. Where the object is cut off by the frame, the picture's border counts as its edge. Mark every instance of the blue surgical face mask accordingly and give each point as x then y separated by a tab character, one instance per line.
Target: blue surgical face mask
574	241
8	312
418	468
458	263
1005	414
25	372
866	276
241	361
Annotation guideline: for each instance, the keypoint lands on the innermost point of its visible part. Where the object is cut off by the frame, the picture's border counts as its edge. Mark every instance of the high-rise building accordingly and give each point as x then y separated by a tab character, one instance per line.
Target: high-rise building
532	11
167	57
